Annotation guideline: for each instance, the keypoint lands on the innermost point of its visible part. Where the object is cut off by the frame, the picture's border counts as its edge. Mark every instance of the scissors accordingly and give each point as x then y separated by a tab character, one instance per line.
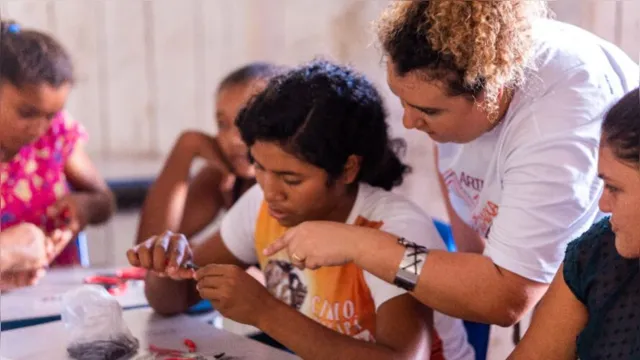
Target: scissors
116	283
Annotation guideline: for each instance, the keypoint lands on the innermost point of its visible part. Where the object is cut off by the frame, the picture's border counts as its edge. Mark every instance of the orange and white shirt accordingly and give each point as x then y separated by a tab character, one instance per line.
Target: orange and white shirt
343	298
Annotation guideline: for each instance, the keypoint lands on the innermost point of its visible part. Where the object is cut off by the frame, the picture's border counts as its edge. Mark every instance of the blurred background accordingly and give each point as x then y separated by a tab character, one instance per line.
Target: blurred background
147	70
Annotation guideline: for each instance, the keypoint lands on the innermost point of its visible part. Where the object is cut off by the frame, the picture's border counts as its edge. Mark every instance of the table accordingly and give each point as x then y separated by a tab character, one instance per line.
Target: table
49	341
42	302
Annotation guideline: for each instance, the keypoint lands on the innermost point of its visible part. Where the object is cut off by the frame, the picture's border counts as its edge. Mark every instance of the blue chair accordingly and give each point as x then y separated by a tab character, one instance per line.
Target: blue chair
477	333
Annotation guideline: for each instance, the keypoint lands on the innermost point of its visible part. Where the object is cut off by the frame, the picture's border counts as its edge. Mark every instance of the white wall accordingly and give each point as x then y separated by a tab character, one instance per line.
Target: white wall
617	21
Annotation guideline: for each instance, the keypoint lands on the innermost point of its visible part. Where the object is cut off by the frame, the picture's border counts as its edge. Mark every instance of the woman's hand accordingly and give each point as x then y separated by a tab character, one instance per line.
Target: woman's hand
165	254
315	244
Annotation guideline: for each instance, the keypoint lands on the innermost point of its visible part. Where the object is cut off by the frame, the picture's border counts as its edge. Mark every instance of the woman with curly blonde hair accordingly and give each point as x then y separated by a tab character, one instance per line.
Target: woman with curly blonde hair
515	102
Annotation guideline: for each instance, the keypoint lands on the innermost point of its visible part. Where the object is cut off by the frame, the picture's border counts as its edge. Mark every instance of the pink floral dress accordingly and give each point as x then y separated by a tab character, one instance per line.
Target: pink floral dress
35	179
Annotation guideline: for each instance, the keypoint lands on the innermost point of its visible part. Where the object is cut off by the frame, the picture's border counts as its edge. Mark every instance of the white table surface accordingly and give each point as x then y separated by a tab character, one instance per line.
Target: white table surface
49	341
44	299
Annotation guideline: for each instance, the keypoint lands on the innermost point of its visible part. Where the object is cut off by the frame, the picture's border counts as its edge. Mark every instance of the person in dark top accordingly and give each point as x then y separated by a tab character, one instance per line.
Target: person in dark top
592	310
179	203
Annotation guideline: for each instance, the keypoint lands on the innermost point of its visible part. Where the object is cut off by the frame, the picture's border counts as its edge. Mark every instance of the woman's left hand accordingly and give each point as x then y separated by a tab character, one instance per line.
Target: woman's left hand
315	244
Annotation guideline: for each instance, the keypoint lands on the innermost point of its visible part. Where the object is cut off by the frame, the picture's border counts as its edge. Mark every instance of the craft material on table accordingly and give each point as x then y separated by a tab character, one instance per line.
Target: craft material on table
95	326
158	353
152	331
114	349
116	283
43	301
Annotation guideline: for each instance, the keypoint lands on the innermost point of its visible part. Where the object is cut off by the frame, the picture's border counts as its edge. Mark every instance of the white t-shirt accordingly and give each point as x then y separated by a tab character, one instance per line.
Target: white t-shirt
396	214
530	185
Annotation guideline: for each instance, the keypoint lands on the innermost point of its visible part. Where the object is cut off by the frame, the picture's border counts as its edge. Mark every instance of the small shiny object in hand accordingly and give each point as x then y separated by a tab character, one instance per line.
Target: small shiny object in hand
191	266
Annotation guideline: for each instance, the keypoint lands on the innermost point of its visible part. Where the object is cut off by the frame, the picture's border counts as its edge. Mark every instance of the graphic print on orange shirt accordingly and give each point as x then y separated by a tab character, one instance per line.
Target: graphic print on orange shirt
337	297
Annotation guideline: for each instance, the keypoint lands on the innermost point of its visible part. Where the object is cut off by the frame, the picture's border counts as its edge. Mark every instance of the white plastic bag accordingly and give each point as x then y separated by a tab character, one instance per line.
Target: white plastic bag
97	330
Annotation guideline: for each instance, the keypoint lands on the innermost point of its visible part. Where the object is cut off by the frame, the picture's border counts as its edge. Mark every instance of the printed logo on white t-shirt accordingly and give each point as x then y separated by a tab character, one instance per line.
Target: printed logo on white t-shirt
465	186
467	189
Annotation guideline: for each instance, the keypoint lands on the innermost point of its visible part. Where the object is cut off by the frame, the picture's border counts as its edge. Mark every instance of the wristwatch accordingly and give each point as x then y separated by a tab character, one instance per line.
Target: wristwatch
411	264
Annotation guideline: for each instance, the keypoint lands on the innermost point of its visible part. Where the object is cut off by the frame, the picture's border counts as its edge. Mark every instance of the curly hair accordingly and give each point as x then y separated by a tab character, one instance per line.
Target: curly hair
473	47
29	57
621	128
322	113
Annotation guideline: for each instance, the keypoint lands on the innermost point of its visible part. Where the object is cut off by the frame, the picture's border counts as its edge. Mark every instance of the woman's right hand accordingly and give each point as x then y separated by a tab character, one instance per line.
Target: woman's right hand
165	255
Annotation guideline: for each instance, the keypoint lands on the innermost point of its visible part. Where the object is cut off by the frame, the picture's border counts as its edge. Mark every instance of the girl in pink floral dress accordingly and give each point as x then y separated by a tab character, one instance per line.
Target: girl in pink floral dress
42	155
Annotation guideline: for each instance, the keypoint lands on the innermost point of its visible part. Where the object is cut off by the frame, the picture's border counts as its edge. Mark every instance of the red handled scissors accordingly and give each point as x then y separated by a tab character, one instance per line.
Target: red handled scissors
116	284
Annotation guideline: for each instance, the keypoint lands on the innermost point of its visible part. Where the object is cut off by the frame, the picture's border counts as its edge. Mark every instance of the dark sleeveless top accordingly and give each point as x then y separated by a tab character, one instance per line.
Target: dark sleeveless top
609	286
